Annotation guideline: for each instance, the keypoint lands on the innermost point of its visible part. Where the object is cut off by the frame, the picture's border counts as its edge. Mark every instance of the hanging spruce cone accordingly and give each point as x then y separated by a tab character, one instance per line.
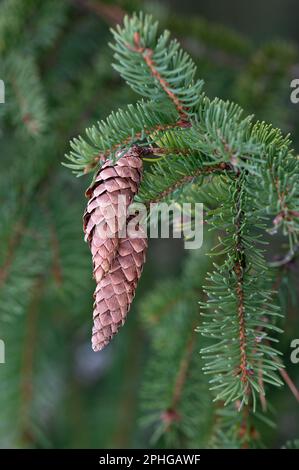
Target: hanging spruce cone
118	257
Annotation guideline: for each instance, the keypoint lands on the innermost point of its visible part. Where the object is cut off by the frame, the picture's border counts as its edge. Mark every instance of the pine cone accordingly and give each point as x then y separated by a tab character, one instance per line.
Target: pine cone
114	294
117	259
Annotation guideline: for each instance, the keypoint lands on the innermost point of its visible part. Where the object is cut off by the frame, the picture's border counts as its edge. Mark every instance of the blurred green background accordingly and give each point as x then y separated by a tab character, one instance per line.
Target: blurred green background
56	65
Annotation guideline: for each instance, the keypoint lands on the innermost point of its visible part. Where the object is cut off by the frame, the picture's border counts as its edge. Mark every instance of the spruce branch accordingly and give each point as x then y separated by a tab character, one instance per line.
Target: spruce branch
27	104
147	55
278	170
164	68
170	408
134	124
196	150
164	183
250	174
236	288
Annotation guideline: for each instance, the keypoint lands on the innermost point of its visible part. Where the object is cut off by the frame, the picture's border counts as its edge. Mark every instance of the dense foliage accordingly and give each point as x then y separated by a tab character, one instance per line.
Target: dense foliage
209	380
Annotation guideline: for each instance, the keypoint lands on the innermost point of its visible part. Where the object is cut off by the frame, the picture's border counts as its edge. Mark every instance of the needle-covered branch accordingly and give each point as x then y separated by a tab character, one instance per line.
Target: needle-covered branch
246	173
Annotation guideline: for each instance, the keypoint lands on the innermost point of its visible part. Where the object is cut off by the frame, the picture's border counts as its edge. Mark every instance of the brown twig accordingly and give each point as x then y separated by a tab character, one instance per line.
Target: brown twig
28	119
12	245
112	14
288	381
239	271
57	269
125	423
241	317
285	260
171	414
155	320
28	357
247	430
261	385
147	55
102	156
183	371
